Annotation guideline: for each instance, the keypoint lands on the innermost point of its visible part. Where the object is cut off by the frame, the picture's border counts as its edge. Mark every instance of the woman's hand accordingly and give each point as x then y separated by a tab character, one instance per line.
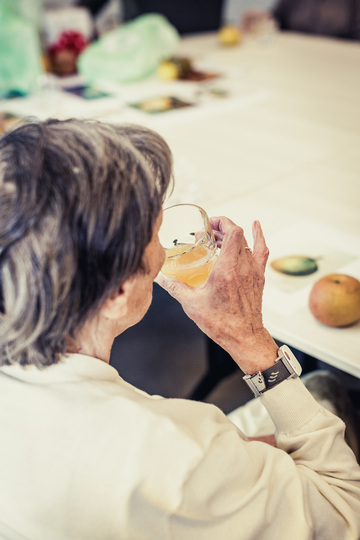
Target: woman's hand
228	306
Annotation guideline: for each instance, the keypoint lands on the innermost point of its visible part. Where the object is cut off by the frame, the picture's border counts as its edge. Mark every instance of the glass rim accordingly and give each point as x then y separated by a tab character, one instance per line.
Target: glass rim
177	255
198	242
185	204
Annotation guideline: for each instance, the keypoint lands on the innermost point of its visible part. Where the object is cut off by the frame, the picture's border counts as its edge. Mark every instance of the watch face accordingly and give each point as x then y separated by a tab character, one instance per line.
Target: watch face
290	361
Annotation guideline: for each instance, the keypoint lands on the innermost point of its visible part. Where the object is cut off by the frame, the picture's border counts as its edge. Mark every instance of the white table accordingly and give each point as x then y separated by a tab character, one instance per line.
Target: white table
291	160
282	148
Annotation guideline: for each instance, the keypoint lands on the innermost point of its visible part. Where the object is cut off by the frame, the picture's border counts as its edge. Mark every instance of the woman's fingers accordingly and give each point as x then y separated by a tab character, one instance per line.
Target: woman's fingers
177	289
260	251
231	238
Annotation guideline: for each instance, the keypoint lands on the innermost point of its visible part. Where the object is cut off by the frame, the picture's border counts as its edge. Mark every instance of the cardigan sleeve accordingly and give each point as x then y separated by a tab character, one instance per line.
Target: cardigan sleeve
307	487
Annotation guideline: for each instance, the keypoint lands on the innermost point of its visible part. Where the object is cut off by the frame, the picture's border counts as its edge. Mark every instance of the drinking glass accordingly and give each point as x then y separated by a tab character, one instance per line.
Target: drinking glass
189	243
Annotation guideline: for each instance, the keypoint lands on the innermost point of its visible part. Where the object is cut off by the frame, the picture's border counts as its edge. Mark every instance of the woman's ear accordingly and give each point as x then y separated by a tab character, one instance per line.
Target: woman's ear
116	306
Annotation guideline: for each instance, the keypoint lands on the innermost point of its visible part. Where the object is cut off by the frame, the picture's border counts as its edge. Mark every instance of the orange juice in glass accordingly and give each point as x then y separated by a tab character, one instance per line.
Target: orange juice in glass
189	243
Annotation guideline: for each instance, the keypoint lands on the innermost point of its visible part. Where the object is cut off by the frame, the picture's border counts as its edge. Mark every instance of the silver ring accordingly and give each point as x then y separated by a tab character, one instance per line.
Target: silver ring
248	249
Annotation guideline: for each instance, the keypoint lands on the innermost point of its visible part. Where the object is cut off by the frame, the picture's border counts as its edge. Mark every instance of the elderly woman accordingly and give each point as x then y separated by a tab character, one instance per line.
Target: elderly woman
85	455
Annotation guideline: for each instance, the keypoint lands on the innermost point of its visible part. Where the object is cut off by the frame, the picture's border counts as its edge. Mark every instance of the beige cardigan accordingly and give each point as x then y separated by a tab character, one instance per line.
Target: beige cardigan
86	456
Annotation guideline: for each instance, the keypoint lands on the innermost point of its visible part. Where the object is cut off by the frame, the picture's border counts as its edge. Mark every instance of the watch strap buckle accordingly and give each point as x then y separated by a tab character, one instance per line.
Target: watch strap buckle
285	367
256	383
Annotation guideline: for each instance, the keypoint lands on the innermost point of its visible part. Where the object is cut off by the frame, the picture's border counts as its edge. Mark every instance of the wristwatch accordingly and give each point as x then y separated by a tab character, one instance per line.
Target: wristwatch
286	367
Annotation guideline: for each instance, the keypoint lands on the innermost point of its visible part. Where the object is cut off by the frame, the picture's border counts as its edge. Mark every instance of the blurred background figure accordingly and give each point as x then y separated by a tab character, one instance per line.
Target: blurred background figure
188	16
332	18
105	14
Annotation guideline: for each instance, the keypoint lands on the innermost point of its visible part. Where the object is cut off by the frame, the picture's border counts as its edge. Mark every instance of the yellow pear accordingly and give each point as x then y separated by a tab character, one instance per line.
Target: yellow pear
168	71
229	35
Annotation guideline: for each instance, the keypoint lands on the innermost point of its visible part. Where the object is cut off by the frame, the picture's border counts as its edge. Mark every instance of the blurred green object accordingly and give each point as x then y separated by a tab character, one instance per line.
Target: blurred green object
20	51
31	10
129	53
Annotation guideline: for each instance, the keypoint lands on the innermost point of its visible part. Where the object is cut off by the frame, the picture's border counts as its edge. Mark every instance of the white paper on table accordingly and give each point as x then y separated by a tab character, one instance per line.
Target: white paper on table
205	98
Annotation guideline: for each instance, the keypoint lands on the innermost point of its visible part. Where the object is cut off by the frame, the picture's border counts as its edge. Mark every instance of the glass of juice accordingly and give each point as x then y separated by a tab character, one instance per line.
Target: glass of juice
189	243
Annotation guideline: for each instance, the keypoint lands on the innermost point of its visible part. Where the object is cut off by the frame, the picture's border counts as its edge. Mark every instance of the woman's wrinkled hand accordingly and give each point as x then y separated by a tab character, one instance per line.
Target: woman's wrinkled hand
228	307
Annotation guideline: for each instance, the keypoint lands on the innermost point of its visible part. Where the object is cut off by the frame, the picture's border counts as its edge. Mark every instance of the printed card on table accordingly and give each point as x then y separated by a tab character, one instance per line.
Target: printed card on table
301	255
161	104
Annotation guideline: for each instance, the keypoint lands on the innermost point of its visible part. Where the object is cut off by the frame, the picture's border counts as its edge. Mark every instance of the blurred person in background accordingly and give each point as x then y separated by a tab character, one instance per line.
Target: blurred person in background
188	16
331	18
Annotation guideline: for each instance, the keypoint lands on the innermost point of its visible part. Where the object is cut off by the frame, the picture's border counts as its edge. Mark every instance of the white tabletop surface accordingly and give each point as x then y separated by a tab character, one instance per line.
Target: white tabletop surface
282	147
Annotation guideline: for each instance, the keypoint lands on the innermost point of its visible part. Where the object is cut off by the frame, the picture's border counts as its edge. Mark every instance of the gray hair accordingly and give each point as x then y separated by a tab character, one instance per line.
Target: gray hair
78	203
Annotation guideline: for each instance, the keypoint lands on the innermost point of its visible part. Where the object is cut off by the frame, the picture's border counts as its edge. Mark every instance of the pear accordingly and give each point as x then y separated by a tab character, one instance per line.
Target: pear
174	68
229	35
295	265
168	71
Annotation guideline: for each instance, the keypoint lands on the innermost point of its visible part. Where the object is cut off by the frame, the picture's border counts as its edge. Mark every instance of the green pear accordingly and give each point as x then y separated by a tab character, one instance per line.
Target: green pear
295	265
